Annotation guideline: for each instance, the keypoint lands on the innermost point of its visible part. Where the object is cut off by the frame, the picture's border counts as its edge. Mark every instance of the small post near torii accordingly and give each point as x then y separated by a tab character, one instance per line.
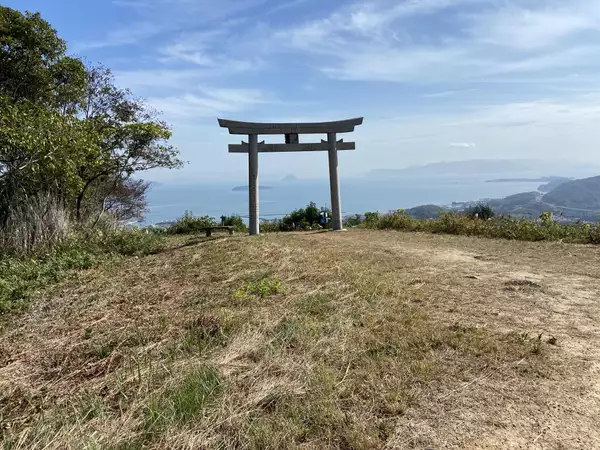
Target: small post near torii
292	132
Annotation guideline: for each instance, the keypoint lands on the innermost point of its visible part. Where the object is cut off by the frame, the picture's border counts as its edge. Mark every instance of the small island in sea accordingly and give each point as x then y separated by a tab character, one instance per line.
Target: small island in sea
245	188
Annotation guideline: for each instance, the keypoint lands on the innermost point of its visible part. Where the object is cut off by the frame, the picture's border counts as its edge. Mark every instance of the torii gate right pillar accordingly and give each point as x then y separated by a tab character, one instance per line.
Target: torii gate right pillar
253	192
334	183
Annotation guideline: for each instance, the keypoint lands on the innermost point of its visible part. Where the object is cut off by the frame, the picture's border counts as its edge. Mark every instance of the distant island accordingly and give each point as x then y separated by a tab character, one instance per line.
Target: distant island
245	188
290	177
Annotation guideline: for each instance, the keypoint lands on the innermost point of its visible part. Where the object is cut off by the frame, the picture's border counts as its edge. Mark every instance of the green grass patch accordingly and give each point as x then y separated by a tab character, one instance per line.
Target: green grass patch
318	305
21	276
261	288
185	401
206	333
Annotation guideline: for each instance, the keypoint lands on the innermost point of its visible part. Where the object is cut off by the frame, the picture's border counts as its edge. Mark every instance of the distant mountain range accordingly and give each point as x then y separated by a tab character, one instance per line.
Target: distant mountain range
571	199
514	168
568	199
581	194
519	180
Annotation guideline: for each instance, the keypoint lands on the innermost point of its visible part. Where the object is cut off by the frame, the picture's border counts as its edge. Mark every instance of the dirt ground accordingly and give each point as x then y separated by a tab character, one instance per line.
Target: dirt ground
483	397
547	289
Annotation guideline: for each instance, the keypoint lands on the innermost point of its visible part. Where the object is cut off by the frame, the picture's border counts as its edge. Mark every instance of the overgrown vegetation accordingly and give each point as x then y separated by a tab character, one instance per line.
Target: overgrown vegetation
21	277
188	224
71	141
480	211
544	229
308	218
72	144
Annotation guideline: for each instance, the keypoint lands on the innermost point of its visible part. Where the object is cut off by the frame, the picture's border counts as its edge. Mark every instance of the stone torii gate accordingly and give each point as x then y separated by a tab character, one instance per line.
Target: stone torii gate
292	144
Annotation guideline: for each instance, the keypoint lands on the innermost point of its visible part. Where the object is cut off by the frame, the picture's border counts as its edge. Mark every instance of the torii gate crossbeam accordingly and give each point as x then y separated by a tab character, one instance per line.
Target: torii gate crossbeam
292	144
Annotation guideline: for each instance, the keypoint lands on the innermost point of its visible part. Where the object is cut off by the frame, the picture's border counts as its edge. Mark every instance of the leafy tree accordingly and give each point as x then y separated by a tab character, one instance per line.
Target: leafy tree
39	152
69	131
33	62
124	199
130	138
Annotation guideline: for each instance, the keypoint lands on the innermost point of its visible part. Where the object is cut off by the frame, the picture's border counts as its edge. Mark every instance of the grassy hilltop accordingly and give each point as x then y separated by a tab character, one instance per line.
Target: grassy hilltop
365	339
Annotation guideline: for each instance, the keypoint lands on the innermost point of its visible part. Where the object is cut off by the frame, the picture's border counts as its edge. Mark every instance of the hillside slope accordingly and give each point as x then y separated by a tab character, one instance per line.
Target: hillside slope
356	340
584	194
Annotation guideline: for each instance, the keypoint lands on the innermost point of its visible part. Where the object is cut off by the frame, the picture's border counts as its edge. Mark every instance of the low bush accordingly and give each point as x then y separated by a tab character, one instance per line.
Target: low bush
305	218
273	226
188	223
481	211
234	221
498	227
354	221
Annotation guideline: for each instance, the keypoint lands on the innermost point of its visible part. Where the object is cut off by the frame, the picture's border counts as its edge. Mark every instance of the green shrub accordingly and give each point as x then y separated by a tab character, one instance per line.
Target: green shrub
371	219
234	221
126	242
188	223
498	227
271	226
481	211
307	218
354	221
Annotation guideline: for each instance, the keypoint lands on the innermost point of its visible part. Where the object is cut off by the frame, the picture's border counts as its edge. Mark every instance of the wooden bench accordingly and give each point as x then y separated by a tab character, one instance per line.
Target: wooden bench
209	230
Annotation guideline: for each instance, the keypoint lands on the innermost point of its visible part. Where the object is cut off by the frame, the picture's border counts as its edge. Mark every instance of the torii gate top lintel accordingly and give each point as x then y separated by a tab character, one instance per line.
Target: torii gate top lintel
340	126
292	144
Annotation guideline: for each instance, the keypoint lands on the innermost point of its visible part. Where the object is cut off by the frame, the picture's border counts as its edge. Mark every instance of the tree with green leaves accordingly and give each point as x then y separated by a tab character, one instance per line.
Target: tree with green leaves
130	137
68	131
34	65
40	151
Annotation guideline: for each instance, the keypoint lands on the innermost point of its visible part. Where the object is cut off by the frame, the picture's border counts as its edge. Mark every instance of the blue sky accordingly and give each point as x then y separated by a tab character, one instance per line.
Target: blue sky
434	79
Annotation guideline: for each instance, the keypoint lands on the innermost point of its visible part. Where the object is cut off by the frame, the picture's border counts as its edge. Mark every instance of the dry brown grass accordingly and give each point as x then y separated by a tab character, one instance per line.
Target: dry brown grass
356	340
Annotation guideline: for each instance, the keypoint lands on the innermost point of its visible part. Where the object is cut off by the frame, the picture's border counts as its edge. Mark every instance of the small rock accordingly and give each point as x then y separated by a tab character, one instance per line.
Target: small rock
551	340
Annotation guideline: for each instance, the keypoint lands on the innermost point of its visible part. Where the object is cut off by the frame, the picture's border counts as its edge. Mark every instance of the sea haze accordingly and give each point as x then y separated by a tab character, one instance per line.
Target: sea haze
168	201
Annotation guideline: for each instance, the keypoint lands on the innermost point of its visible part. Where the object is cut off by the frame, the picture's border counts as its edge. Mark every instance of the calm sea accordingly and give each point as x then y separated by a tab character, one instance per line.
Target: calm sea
169	201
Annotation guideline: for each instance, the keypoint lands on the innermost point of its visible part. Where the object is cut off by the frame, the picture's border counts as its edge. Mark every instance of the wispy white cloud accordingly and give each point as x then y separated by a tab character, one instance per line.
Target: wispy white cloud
209	102
157	17
463	144
445	94
199	49
376	41
544	26
132	34
286	5
166	79
133	4
470	55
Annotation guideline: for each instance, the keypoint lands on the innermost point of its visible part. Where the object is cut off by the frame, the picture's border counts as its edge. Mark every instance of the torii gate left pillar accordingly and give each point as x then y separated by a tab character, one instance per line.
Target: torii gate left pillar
292	144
